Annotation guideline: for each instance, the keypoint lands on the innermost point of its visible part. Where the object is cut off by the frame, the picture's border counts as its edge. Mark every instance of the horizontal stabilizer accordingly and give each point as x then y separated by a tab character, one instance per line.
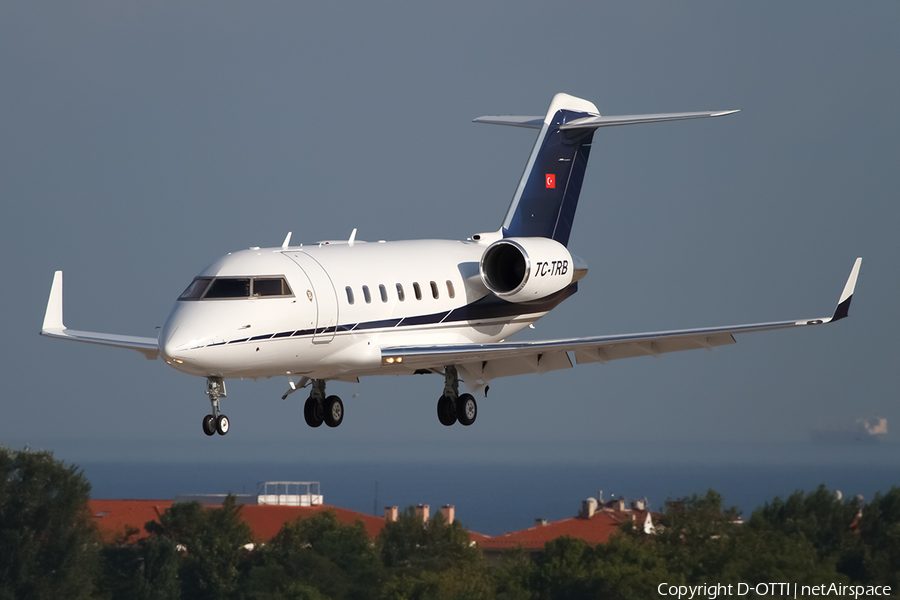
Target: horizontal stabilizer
513	121
597	121
53	327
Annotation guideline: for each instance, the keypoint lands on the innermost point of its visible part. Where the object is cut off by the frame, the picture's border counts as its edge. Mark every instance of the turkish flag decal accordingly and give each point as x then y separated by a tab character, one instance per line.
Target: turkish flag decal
551	180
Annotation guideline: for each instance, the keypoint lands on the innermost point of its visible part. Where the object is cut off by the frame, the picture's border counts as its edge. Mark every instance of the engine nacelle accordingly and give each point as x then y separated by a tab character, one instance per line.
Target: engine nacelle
523	269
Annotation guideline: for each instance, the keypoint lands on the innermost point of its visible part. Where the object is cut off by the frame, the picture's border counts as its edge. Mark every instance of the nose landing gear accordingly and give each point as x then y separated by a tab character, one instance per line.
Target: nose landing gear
216	422
452	406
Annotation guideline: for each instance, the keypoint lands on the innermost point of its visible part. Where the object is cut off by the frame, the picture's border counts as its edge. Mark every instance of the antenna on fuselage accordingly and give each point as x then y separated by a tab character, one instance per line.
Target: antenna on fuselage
287	241
352	237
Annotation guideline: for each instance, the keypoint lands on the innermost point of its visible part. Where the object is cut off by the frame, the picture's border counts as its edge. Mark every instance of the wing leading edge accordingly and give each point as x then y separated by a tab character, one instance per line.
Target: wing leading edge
480	363
53	327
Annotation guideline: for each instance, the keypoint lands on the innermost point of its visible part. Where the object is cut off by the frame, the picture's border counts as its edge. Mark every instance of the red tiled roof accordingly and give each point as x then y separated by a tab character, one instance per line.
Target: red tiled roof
111	516
265	521
596	530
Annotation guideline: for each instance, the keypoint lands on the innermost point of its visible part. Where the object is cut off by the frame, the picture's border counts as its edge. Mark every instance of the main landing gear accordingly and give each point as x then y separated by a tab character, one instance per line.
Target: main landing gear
452	406
216	422
319	409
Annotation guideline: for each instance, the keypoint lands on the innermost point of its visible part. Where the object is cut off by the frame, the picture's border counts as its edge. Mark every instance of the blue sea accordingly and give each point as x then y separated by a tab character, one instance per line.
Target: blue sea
509	491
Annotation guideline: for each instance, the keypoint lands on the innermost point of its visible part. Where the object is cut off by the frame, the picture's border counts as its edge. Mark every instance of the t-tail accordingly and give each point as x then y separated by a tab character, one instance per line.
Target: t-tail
547	195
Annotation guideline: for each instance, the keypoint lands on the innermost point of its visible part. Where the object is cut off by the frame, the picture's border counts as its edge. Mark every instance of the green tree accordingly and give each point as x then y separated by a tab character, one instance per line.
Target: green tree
694	535
432	559
513	574
213	541
48	542
146	570
564	570
630	567
624	568
879	532
755	555
318	553
818	516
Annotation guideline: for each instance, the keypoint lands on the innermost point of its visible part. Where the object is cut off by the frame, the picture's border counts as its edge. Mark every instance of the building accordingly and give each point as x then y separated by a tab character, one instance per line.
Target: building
124	520
115	518
595	524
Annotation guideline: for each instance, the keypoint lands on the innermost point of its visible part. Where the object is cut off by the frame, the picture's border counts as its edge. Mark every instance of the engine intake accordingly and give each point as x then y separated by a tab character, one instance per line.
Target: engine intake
523	269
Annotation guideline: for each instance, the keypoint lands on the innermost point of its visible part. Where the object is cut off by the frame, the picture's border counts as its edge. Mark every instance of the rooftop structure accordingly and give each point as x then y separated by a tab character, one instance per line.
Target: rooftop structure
278	493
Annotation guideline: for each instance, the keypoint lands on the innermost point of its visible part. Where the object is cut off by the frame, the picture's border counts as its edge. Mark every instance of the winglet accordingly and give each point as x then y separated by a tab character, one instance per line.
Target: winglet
843	308
53	318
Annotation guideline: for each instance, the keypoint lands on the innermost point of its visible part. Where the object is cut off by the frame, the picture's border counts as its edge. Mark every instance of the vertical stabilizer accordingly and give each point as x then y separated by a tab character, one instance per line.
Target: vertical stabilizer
547	195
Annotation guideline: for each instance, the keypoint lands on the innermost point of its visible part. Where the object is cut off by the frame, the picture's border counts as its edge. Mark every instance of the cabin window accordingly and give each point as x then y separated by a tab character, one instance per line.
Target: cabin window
270	286
417	290
400	294
450	291
383	291
228	287
367	295
196	289
349	294
434	290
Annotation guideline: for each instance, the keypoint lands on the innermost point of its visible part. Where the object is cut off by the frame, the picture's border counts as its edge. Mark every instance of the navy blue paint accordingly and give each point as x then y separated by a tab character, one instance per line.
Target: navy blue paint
550	212
377	324
425	319
843	310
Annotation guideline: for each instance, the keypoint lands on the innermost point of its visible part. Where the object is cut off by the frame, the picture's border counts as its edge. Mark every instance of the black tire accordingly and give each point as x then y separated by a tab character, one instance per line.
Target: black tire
314	413
223	425
334	411
468	409
209	425
446	410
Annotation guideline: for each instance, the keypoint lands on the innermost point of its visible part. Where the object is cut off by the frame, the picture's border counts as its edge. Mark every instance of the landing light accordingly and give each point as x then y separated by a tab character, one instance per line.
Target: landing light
389	360
178	360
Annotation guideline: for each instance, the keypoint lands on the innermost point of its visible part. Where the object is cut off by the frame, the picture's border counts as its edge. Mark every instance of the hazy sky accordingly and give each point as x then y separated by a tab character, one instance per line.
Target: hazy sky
141	141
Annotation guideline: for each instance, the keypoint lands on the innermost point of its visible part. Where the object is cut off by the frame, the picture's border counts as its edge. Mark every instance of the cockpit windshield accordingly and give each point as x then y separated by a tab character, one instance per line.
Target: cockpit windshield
229	288
218	288
196	289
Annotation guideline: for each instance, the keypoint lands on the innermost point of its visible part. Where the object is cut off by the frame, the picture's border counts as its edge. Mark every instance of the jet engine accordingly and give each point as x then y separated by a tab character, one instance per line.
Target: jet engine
523	269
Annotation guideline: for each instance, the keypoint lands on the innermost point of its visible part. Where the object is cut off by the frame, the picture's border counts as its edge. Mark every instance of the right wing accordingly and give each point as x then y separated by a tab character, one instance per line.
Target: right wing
53	327
482	362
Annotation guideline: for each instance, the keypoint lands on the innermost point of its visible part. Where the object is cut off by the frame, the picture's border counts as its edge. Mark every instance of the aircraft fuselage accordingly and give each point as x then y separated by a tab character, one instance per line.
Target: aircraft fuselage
345	302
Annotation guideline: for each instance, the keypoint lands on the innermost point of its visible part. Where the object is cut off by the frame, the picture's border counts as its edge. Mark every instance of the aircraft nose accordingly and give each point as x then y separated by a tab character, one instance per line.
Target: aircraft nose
176	340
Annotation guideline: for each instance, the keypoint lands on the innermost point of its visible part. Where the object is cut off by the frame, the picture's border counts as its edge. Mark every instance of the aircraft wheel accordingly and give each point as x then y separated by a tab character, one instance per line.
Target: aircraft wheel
209	425
222	424
334	411
446	410
468	409
314	413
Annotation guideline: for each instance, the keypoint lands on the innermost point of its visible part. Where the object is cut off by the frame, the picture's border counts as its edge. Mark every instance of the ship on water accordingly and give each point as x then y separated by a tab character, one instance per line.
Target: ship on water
864	430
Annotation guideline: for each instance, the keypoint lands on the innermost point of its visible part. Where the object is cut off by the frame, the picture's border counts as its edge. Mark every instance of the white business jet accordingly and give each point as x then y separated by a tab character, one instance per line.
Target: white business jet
340	310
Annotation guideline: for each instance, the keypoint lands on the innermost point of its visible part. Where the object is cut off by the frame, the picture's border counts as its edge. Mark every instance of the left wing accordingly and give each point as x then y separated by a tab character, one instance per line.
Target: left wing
53	327
483	362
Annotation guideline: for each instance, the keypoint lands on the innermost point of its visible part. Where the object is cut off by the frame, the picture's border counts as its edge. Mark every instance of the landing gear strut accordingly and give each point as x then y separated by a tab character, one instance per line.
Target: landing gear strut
216	422
452	406
319	409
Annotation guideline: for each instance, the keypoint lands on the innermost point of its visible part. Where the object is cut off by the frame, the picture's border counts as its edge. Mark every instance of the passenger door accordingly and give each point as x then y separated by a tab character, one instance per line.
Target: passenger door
324	296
